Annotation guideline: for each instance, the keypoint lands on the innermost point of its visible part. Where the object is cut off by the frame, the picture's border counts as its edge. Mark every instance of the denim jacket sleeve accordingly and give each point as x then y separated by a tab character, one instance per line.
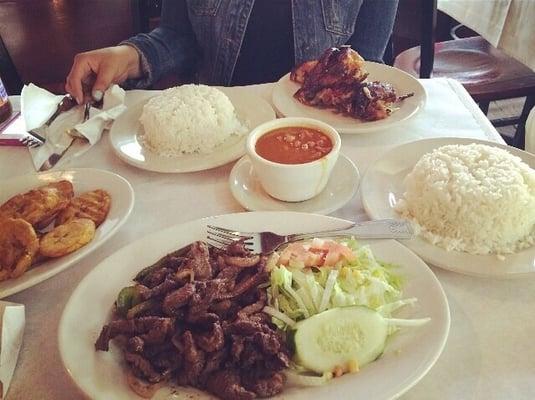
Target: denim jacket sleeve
170	47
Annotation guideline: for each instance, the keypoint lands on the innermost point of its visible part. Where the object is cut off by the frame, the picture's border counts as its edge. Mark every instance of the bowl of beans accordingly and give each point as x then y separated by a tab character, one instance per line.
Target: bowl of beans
293	157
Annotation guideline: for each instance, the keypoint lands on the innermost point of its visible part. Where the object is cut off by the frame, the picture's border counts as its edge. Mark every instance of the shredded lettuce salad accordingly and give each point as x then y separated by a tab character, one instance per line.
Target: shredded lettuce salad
299	288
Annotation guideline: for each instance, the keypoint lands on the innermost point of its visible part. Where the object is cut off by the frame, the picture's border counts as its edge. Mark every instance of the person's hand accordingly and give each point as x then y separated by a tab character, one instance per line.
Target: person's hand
104	67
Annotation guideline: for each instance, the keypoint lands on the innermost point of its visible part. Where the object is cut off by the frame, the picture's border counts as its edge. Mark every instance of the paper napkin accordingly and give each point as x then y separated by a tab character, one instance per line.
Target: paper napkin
37	105
12	323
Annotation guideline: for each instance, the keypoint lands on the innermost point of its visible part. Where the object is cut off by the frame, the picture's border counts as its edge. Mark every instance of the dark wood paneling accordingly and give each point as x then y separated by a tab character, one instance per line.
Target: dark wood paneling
42	36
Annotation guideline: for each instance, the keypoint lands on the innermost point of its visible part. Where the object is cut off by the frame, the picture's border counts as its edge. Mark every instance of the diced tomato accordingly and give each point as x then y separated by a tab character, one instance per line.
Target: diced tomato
317	253
322	254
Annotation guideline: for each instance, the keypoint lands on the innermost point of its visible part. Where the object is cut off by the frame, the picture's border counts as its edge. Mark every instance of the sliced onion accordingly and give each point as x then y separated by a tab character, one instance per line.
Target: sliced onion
297	379
297	299
242	262
140	387
407	322
329	285
389	308
281	316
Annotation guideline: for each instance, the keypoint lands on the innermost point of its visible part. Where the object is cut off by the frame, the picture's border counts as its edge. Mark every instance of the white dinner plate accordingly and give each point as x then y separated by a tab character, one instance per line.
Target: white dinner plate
124	135
83	179
408	356
404	83
382	186
341	187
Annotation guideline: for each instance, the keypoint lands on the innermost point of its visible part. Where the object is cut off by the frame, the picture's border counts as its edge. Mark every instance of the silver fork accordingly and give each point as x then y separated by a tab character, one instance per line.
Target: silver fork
267	242
32	140
65	104
55	157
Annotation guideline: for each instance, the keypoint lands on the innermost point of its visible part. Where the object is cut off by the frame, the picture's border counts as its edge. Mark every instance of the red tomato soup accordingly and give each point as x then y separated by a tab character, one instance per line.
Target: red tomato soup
293	145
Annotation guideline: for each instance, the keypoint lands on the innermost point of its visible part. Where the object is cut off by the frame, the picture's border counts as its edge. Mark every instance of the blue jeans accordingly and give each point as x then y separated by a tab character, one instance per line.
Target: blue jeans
206	35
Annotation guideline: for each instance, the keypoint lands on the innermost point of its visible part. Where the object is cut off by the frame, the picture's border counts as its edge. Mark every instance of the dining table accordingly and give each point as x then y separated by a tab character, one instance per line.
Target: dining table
490	351
505	24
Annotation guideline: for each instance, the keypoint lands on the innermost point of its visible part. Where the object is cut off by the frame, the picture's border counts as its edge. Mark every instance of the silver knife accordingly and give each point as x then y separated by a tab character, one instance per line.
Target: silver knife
55	157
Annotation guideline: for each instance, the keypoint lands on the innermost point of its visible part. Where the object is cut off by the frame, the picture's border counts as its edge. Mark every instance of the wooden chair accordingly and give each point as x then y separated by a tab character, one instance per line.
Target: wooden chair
146	14
9	74
530	132
487	73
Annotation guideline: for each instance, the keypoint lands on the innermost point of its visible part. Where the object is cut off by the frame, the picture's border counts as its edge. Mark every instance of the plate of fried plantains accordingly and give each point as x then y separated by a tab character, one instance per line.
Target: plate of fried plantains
49	221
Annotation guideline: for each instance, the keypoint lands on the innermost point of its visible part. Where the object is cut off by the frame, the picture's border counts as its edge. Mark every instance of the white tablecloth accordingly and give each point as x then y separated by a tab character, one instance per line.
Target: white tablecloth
506	24
489	354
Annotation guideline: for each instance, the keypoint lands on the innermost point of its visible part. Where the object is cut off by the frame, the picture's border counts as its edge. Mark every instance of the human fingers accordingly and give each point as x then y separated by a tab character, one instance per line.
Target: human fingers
81	70
106	76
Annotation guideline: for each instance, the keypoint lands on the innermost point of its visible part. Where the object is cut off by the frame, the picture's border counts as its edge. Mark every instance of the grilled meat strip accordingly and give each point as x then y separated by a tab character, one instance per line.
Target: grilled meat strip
208	330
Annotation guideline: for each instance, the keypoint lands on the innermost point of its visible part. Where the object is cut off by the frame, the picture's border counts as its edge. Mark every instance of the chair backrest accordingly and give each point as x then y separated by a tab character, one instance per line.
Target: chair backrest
427	45
8	72
146	14
530	132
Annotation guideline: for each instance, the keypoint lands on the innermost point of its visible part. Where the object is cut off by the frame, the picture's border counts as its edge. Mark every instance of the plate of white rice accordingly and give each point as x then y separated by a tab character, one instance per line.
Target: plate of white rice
188	128
472	203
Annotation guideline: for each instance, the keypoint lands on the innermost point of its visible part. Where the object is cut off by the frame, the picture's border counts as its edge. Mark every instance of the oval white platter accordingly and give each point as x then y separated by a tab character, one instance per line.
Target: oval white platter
126	140
83	179
407	358
404	83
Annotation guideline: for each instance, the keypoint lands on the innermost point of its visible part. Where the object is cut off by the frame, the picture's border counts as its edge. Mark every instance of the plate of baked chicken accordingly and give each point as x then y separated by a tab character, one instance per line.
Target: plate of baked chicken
50	221
349	93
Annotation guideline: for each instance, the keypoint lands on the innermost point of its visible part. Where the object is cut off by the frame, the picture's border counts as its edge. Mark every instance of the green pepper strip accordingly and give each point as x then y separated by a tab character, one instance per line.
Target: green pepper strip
160	263
127	298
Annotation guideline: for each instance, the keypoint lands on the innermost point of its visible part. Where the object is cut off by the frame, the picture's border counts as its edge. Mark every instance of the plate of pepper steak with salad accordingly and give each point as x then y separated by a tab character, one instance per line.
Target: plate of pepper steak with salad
172	317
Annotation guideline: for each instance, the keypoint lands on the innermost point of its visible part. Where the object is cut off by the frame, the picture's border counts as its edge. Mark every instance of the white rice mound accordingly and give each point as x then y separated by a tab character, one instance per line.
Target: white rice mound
189	119
472	198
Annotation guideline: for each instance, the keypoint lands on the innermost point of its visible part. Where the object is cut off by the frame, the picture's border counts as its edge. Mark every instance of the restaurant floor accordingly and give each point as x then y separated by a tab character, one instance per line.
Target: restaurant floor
504	109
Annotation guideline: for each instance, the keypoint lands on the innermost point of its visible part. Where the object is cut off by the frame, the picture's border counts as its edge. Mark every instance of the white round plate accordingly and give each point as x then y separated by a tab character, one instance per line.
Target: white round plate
404	83
83	179
382	186
124	133
407	358
342	186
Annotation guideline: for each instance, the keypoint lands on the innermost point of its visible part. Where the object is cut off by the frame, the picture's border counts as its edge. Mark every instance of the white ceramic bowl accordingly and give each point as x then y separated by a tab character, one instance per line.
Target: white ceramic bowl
293	182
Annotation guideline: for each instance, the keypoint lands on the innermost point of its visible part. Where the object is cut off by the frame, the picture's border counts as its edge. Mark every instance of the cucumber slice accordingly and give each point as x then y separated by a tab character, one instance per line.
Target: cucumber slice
336	337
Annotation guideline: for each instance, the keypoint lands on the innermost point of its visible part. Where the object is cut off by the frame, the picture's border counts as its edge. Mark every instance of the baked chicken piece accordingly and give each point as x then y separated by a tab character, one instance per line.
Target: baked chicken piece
299	73
337	81
373	101
335	66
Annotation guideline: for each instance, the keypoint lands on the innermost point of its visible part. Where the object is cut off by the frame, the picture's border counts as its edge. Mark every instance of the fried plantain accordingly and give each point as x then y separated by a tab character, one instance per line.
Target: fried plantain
66	238
18	247
64	186
37	206
94	205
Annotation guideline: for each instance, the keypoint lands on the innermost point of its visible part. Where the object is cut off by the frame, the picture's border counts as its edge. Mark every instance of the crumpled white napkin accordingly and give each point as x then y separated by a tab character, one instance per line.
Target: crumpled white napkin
37	105
12	321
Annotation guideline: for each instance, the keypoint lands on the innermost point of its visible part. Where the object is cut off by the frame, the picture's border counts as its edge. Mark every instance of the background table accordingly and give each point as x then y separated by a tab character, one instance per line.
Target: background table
506	24
489	353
